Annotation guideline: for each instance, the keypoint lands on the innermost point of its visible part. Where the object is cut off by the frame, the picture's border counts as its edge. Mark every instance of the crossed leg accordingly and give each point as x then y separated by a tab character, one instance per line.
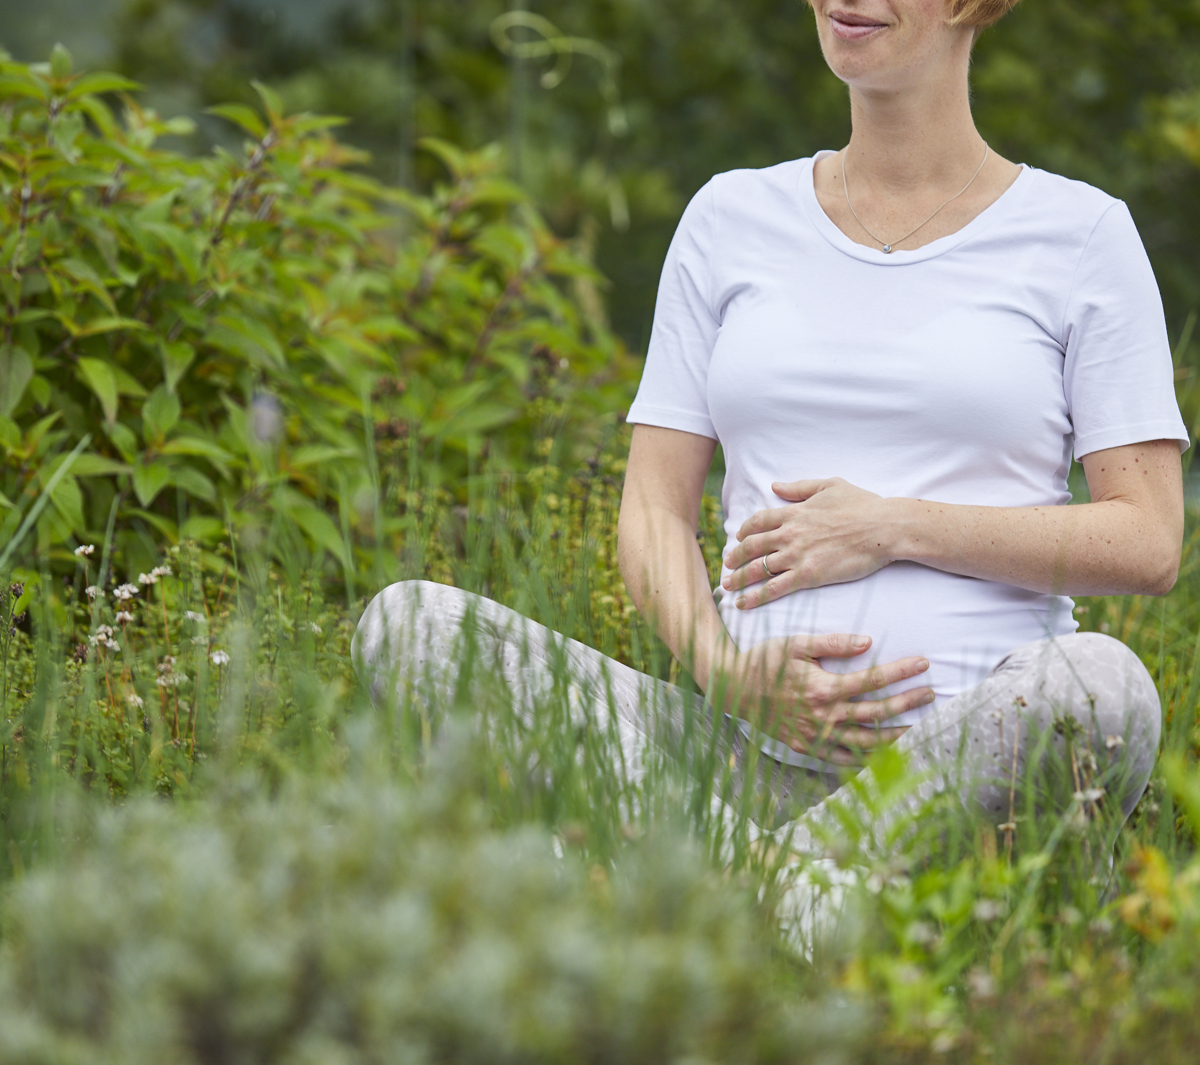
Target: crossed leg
1084	702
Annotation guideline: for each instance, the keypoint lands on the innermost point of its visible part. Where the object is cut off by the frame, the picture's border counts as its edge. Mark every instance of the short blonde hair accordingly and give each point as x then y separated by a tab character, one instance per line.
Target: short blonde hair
979	12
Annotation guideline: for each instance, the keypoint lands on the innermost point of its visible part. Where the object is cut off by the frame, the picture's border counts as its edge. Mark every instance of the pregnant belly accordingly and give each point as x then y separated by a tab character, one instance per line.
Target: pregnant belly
962	625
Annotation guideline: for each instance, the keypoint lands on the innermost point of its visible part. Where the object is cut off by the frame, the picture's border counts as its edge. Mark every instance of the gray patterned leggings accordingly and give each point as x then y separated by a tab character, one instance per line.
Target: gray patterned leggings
1083	703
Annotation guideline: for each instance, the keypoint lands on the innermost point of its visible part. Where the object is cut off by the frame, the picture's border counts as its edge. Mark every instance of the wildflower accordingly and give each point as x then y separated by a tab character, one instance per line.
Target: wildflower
1091	795
123	617
314	628
84	549
220	658
125	592
170	680
161	571
112	644
200	641
94	592
148	578
167	664
988	910
101	636
135	700
196	616
1113	742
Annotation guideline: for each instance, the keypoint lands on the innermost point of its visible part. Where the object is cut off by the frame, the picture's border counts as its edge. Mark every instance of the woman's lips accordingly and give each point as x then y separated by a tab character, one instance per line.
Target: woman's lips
854	27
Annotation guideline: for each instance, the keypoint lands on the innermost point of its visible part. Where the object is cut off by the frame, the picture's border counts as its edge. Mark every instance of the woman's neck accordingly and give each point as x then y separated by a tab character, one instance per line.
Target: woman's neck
913	140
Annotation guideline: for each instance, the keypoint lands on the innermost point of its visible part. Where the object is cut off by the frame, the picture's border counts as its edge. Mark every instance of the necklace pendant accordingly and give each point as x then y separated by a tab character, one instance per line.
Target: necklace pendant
887	249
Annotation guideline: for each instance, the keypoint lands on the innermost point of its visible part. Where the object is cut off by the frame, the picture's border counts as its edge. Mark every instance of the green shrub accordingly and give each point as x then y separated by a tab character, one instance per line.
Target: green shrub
229	333
364	923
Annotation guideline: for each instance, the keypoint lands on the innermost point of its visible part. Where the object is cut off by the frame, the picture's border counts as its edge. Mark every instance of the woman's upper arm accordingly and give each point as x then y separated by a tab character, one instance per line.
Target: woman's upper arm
667	469
1148	476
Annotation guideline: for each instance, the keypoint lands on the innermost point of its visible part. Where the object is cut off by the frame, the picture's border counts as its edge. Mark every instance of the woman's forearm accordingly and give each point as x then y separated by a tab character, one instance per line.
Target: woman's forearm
1103	548
1127	540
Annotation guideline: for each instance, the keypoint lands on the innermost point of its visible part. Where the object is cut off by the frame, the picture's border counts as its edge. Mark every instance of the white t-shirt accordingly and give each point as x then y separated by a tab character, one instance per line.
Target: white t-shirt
966	371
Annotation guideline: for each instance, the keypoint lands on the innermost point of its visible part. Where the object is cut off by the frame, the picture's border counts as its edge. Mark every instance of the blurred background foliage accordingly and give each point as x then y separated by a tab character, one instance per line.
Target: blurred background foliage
667	92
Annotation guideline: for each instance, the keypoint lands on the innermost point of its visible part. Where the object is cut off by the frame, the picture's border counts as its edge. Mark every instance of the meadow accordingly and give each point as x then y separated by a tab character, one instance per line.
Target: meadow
242	392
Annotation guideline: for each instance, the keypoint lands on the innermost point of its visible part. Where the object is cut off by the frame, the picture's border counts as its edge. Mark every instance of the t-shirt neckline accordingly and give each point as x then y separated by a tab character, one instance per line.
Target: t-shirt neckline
996	210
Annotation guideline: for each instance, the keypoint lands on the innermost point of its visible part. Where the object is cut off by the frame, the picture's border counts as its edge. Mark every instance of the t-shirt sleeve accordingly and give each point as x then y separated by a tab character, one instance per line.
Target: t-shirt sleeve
1118	375
673	393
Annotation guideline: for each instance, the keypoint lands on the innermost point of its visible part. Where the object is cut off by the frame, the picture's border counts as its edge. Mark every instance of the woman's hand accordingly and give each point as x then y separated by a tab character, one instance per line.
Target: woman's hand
829	535
809	708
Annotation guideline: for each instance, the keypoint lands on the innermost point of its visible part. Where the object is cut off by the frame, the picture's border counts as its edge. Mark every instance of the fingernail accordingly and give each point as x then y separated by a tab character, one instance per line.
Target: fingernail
740	603
859	641
927	700
922	665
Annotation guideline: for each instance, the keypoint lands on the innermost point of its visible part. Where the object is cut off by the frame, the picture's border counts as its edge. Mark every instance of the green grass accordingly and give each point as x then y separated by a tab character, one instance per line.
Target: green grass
255	863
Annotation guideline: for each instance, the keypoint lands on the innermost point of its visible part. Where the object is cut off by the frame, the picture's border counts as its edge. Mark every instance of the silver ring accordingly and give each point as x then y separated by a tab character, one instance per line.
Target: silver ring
767	569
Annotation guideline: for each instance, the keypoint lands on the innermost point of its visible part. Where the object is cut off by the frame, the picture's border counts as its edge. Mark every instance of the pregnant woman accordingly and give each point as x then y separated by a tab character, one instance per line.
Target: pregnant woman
899	346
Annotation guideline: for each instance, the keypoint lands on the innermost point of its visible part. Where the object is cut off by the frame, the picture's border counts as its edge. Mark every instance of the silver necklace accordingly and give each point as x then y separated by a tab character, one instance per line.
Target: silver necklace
887	248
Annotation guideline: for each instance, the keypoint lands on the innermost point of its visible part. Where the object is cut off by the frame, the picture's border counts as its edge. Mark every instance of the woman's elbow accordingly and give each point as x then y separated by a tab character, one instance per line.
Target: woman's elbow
1160	569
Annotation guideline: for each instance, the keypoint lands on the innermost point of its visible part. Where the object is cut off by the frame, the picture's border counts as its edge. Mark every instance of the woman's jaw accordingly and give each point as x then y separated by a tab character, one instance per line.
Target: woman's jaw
891	45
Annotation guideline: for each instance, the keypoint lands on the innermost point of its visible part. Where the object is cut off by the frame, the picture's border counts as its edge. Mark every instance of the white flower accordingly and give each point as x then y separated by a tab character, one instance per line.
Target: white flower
196	616
1113	742
93	592
167	664
170	680
84	549
148	578
161	571
314	627
135	700
123	616
125	592
112	645
200	640
220	658
102	635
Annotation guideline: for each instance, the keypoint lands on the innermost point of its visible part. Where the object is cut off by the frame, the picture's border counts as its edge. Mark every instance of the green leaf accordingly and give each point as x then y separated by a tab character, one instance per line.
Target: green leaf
109	324
124	440
202	527
160	412
180	243
272	101
99	377
98	82
127	384
241	115
10	435
60	62
252	340
68	501
194	483
319	528
16	371
92	465
176	358
200	448
452	158
149	480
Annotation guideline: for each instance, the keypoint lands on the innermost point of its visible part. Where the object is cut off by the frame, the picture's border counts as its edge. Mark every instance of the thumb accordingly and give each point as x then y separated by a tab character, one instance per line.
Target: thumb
798	491
829	645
